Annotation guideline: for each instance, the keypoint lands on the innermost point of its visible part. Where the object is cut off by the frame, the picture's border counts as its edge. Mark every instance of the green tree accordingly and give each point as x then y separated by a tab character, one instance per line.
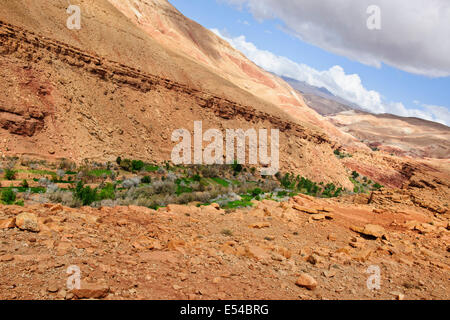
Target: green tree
8	196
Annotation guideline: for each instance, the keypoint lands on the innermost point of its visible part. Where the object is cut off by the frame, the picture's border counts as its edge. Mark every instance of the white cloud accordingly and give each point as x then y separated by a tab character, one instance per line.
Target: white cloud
414	35
347	86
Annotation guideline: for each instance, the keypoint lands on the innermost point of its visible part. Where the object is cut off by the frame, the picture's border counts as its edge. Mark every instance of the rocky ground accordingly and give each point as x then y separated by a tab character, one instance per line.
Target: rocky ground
306	248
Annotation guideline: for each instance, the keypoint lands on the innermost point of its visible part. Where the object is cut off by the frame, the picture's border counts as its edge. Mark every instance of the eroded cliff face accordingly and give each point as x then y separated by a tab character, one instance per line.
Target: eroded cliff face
74	104
167	26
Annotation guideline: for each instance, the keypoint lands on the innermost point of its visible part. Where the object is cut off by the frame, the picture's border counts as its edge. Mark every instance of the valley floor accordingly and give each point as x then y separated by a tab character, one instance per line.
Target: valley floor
306	248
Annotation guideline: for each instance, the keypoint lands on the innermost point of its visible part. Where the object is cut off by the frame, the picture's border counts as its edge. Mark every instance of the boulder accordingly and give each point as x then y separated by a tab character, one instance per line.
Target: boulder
306	281
27	221
371	230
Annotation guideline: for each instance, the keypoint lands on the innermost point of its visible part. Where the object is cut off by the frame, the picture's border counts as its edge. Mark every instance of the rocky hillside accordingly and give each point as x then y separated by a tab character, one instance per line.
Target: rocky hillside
396	135
306	248
113	89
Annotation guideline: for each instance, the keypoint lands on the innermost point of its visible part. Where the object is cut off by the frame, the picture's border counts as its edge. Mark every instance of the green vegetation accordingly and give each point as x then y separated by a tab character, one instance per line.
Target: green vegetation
8	196
24	184
342	155
237	168
100	172
146	180
87	195
39	172
135	182
10	174
137	165
363	184
221	181
151	168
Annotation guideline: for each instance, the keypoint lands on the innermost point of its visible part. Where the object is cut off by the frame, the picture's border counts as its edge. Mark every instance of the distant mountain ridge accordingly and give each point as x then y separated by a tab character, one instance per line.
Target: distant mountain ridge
321	99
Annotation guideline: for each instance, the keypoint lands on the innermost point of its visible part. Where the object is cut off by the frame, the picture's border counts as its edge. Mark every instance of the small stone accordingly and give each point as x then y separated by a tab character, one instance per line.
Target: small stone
91	291
260	225
7	223
331	237
329	273
312	259
398	295
62	294
306	281
53	287
6	258
183	276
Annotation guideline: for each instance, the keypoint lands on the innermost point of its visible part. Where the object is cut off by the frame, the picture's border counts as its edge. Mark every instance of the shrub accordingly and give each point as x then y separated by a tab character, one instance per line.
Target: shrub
130	183
355	174
8	196
164	187
10	174
108	192
286	181
256	192
377	186
119	160
137	165
24	184
44	182
227	232
237	168
87	195
126	164
146	180
60	173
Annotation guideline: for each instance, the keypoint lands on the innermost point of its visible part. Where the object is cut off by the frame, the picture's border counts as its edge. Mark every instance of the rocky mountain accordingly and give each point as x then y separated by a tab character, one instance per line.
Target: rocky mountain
396	135
393	134
86	118
321	99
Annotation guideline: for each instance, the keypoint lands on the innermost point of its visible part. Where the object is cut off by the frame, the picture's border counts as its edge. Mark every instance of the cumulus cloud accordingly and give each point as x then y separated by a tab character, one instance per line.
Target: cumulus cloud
414	34
346	86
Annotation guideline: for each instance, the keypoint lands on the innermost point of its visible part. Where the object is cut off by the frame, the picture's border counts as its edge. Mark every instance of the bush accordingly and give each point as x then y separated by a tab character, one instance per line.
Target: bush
256	192
237	168
130	183
355	174
146	180
286	181
60	173
87	195
126	165
24	184
10	174
8	196
137	165
377	186
108	192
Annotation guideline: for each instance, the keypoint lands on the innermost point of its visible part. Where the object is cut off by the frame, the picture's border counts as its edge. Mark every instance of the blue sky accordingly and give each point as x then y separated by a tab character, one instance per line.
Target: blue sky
395	86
